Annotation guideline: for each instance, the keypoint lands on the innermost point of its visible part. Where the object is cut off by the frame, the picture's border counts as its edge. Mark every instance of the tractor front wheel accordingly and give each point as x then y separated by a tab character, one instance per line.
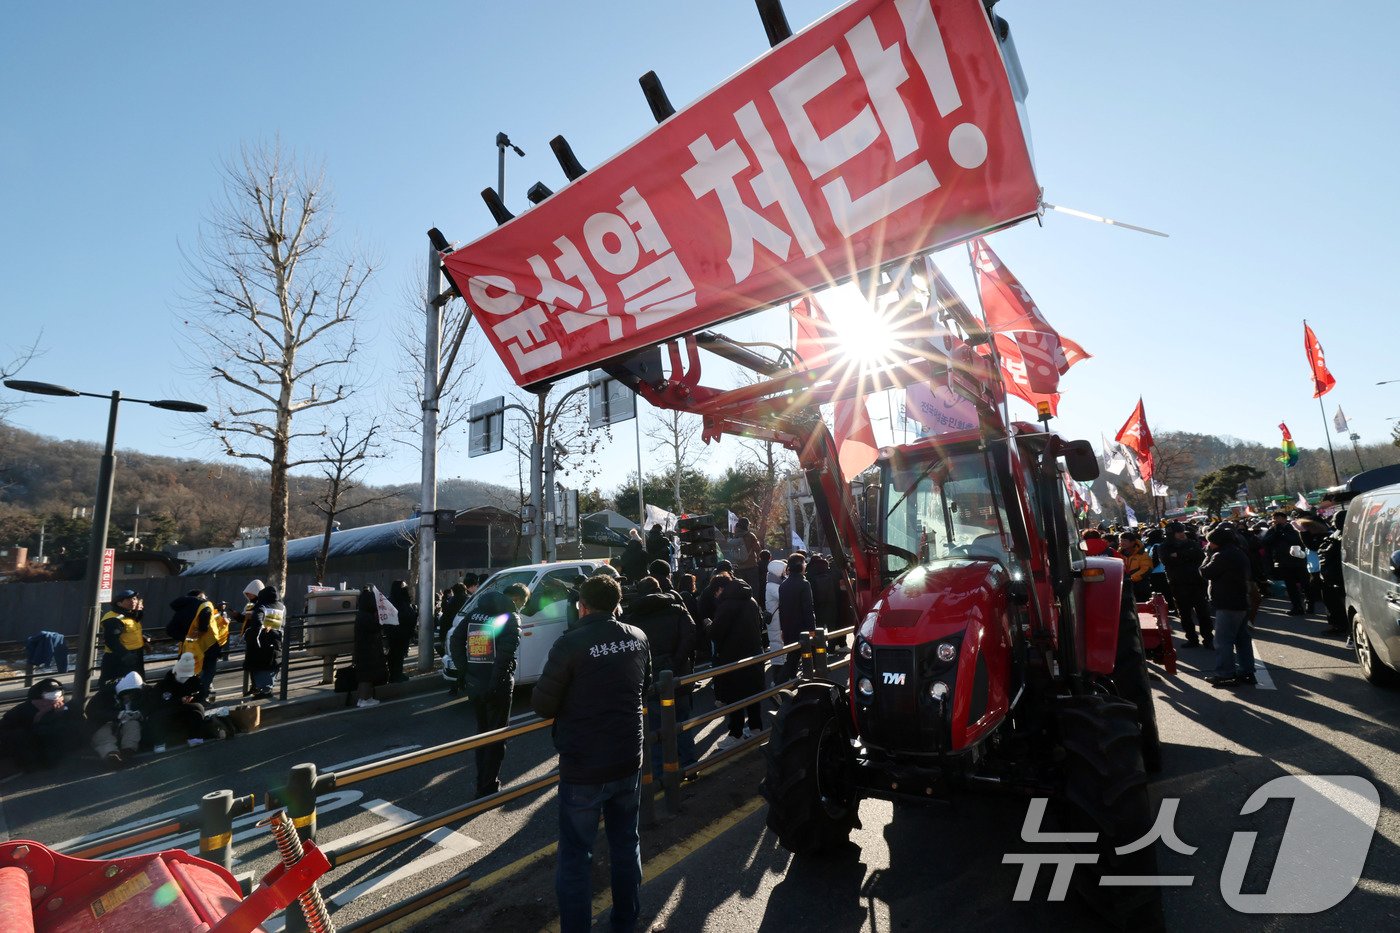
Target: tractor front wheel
809	784
1105	792
1130	680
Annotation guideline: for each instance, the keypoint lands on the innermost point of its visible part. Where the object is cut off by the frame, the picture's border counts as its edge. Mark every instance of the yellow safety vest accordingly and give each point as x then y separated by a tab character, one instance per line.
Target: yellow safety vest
132	638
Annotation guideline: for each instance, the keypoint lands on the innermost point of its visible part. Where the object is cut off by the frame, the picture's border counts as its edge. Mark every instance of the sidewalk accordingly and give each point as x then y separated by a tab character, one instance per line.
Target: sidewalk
306	694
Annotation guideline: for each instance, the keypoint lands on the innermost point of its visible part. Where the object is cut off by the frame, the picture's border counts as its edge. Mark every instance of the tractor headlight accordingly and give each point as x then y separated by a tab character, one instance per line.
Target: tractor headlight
865	650
947	651
866	688
938	690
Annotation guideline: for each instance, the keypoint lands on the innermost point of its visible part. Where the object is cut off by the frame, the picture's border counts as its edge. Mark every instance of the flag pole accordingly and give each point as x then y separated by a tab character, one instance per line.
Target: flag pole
1336	475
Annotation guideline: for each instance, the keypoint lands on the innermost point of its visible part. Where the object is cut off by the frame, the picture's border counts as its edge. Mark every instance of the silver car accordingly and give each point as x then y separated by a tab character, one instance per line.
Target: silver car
1371	561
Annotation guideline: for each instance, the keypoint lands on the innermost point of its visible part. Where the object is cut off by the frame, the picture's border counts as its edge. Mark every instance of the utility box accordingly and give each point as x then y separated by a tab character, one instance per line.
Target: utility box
330	626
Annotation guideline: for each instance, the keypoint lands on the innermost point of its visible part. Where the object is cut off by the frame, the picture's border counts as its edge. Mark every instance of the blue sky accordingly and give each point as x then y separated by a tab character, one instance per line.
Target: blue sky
1262	137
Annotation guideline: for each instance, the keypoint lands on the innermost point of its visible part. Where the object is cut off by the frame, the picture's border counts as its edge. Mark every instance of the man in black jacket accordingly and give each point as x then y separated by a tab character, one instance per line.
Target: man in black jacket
1334	594
671	633
796	612
484	648
1181	554
1290	566
1226	569
593	685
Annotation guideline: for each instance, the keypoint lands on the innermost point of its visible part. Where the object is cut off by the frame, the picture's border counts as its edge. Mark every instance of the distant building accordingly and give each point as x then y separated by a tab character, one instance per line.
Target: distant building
143	565
13	558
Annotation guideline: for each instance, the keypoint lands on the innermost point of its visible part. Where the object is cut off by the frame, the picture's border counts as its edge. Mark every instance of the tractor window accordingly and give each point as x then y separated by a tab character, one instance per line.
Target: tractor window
947	507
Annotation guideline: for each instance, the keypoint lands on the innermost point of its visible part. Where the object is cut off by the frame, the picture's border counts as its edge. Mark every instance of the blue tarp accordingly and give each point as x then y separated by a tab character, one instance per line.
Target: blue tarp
371	539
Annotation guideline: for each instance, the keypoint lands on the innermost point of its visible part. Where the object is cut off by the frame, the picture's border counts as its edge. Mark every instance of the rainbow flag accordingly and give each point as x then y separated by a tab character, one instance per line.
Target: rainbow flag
1290	449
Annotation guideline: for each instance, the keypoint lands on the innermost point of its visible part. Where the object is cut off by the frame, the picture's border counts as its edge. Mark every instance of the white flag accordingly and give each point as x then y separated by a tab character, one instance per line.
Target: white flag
1159	489
659	516
1132	516
1339	421
797	543
1094	503
1303	503
733	522
388	614
1112	491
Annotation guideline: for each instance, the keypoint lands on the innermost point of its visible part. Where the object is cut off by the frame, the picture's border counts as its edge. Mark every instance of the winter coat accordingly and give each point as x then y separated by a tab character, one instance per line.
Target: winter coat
1280	541
172	718
795	608
1227	573
1330	556
486	644
1183	562
658	548
669	629
737	634
593	686
633	562
371	666
826	598
1136	564
264	636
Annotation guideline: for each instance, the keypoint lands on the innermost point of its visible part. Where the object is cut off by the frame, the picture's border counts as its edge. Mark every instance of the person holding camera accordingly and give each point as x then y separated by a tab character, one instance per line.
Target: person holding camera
123	642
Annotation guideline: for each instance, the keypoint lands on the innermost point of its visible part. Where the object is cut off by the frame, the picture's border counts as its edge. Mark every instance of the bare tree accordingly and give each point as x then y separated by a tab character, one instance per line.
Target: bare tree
21	358
276	310
457	385
345	457
675	435
772	463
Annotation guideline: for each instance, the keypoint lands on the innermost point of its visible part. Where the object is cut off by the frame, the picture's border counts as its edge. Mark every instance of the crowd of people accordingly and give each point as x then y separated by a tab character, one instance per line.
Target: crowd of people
1215	575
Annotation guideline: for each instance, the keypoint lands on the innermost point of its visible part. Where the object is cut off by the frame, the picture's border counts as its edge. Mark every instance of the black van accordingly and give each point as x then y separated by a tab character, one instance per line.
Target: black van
1371	560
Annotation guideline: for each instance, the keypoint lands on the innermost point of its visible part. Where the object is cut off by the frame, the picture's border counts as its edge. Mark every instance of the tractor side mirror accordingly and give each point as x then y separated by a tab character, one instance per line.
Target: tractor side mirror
1395	563
1081	461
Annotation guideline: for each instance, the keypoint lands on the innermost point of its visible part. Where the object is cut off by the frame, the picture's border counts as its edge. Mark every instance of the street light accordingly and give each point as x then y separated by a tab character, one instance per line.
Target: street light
102	515
1387	382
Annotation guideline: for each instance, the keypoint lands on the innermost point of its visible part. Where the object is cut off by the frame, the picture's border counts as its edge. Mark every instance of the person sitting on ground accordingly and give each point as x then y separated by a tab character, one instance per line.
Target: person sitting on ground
117	715
41	731
178	716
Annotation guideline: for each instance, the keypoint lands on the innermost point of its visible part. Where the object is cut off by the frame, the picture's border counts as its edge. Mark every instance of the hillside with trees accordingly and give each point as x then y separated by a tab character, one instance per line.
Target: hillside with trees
185	503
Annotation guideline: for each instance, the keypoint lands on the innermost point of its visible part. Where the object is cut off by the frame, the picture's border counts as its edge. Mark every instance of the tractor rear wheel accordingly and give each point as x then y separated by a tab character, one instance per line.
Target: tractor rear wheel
809	784
1130	680
1105	792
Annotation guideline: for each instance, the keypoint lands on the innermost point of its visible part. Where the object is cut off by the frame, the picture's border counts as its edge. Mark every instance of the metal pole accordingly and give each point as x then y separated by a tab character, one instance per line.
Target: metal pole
641	503
87	639
551	528
1354	438
536	504
427	541
500	171
1326	429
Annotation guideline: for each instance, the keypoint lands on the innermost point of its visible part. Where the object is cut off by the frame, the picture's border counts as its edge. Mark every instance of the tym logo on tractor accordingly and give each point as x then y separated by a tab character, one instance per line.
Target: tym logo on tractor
991	654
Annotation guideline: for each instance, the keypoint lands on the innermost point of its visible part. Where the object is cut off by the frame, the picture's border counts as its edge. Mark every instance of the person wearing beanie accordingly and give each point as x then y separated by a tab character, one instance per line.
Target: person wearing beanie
179	716
42	730
264	641
245	618
117	715
661	570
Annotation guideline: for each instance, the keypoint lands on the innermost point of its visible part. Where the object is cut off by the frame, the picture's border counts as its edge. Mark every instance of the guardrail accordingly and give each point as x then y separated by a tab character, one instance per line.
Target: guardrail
304	784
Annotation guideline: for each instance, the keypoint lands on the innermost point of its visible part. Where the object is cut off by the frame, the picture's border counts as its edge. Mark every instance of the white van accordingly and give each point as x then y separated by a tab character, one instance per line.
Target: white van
543	619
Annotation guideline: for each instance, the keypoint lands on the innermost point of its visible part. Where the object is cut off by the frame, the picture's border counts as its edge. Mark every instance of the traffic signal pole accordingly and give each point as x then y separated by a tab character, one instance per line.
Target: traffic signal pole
427	540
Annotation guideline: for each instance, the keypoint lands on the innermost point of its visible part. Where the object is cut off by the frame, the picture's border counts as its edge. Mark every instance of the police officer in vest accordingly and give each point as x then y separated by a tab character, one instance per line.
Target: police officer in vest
123	642
484	645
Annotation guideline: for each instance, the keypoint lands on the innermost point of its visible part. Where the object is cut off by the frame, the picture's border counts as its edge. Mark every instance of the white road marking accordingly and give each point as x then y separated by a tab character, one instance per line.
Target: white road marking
387	753
1261	673
79	841
190	841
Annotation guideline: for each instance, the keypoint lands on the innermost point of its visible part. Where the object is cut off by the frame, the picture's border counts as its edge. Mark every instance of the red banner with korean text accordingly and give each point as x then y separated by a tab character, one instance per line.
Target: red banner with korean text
884	130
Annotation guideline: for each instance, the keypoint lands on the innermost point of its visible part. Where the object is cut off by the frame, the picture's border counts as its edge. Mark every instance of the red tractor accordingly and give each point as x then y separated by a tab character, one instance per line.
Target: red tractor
990	654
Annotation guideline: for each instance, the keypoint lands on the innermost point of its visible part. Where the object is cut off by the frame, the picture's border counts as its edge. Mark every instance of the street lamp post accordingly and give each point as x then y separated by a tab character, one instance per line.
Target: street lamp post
102	514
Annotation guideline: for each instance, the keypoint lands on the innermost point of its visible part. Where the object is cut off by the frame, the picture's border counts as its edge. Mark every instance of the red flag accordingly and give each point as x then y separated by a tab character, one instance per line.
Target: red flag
854	434
1323	381
1137	437
1010	310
